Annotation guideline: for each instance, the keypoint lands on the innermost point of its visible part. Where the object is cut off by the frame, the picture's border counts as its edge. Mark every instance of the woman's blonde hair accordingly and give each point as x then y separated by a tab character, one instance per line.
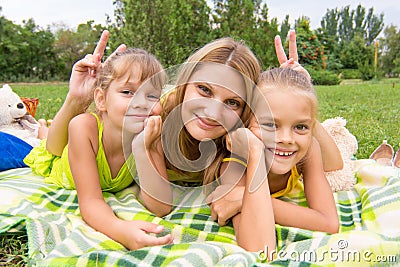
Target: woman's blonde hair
225	51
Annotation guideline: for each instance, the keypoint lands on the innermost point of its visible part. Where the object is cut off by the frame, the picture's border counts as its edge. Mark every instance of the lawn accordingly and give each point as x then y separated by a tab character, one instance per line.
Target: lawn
372	111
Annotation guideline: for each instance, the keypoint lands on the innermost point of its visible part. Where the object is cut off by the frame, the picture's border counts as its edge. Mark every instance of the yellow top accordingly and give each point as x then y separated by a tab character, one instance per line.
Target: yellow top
56	170
293	181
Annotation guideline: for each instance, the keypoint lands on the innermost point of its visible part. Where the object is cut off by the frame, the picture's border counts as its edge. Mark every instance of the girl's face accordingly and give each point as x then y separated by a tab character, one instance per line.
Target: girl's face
214	101
286	131
129	102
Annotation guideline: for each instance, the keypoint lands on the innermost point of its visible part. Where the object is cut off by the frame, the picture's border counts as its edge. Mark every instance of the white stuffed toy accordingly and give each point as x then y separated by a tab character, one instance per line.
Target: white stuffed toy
14	118
345	178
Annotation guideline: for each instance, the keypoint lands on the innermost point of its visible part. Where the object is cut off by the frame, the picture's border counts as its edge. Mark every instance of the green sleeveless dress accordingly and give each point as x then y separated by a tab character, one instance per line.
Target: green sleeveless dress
56	170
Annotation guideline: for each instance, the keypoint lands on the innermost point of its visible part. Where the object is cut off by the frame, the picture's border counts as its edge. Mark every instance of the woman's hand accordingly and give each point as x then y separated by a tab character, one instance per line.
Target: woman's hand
225	202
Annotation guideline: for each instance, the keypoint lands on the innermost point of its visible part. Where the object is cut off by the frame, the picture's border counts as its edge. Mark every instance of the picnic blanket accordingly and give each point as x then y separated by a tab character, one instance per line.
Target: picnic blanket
57	236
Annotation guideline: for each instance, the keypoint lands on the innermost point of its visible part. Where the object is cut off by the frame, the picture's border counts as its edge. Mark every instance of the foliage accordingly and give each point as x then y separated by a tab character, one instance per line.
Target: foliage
348	34
310	49
367	70
173	29
71	46
390	63
247	20
345	24
26	52
30	53
170	29
324	77
350	74
13	249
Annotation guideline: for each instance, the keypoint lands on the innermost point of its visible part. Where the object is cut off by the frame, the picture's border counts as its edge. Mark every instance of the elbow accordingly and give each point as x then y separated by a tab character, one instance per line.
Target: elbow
335	166
333	226
340	164
53	151
165	210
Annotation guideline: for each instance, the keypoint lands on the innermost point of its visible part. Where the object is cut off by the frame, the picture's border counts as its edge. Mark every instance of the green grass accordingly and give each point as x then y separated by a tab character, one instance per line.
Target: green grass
13	250
372	111
51	96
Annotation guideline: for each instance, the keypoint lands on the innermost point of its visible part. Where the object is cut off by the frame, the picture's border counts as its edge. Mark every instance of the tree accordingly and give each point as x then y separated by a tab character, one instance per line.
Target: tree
70	45
26	52
247	20
356	52
263	42
390	61
340	28
169	29
310	49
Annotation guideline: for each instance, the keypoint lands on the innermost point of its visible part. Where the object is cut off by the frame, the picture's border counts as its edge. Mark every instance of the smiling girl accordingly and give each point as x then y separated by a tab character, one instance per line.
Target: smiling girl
289	152
126	96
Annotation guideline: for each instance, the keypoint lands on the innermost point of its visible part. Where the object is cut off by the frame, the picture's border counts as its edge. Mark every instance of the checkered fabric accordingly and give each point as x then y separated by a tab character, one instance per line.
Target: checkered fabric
57	236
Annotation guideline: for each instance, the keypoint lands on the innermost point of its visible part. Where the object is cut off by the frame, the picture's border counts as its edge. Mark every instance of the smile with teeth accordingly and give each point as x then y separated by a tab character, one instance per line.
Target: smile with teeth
282	153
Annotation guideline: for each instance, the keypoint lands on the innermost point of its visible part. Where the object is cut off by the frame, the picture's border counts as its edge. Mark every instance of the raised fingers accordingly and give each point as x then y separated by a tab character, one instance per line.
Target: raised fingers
293	45
102	44
85	64
280	52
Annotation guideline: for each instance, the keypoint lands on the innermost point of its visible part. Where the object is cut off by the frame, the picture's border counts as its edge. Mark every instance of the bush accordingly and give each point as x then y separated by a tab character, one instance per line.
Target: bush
324	77
350	74
366	70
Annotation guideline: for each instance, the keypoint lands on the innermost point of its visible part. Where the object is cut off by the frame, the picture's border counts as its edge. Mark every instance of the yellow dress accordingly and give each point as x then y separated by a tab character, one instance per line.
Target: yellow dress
56	170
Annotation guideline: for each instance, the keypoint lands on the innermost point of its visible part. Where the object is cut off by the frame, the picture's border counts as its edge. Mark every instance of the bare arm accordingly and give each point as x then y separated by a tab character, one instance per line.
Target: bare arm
83	136
79	97
255	225
321	213
331	157
152	171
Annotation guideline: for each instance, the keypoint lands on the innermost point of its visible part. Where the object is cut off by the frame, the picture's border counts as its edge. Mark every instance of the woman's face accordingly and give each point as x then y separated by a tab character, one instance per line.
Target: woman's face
214	100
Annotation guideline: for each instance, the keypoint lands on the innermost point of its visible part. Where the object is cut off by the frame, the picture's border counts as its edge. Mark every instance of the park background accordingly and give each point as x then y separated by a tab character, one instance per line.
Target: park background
353	57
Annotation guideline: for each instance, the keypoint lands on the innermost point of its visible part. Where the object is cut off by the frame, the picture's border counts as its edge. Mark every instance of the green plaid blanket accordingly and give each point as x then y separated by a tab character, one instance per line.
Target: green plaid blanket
57	235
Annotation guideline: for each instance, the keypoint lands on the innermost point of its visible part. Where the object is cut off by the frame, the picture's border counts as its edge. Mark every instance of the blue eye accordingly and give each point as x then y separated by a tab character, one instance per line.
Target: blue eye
232	103
204	89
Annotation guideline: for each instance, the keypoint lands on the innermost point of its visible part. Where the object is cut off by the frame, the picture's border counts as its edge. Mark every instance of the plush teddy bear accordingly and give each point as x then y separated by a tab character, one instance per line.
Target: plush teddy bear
345	178
14	118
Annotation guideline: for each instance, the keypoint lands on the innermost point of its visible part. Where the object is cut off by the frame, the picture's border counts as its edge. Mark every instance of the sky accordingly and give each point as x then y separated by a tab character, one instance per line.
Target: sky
74	12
